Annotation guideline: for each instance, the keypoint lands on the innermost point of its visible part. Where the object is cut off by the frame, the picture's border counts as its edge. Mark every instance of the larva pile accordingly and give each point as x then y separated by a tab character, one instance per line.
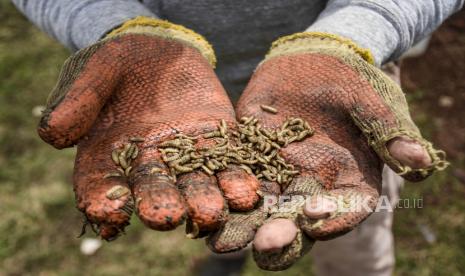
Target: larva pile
123	157
252	147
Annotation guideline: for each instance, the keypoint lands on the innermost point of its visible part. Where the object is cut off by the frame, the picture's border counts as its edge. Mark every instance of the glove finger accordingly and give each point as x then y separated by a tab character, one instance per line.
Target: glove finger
239	229
206	206
380	110
287	256
85	82
345	207
409	152
275	234
331	172
237	232
159	204
239	188
101	193
279	242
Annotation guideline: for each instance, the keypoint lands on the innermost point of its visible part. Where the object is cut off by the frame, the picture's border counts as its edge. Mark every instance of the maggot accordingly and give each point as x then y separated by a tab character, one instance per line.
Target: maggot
249	162
303	134
126	148
116	192
296	121
121	171
246	120
223	127
114	156
170	158
196	165
169	150
268	176
289	172
211	166
127	171
130	151
122	160
112	174
246	168
136	139
195	155
217	163
180	160
212	134
155	170
207	170
135	153
183	169
307	126
269	109
296	128
275	145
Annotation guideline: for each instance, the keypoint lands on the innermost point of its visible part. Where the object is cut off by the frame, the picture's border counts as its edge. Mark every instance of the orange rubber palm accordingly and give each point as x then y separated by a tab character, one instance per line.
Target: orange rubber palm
355	110
143	83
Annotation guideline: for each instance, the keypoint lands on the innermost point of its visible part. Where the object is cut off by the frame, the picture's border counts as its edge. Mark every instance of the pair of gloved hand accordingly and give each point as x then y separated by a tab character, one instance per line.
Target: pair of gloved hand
153	79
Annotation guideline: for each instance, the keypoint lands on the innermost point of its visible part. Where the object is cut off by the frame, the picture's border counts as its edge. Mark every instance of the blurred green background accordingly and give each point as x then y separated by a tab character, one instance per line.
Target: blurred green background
39	224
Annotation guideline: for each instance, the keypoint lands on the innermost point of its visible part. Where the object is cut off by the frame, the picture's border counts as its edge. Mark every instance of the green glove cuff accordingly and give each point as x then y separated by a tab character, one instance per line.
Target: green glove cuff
168	30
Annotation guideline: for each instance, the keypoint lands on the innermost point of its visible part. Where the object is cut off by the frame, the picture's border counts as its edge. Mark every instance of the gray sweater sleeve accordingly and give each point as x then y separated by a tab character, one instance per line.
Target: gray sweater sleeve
386	27
80	23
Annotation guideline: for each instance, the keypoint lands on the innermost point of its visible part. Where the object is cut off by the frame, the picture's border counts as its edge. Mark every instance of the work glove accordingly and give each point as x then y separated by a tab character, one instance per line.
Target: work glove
146	85
361	120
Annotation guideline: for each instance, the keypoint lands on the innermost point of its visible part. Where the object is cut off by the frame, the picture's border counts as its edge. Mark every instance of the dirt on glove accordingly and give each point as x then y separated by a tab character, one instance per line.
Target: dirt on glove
118	100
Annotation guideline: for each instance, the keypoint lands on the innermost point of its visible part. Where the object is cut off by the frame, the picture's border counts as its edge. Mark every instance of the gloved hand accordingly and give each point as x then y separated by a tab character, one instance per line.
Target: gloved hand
118	100
361	121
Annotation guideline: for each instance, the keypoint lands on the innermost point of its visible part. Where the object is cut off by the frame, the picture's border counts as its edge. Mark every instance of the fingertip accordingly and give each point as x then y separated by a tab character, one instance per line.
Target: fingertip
239	188
205	203
158	202
162	218
110	216
161	207
409	152
51	134
274	235
319	208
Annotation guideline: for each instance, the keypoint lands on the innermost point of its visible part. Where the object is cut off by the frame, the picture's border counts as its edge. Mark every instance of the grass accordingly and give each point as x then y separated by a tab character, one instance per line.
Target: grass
39	223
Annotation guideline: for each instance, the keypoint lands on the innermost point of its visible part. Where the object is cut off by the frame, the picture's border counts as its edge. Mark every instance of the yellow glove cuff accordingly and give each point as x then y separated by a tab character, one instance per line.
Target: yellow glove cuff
168	30
312	41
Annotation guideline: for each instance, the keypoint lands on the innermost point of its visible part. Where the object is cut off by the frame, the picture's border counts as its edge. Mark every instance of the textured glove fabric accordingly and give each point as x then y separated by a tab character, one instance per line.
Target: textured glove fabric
152	80
355	110
375	102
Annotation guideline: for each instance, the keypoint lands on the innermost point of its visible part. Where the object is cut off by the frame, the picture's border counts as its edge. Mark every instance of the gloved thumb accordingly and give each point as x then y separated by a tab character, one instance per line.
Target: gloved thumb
380	110
85	82
409	153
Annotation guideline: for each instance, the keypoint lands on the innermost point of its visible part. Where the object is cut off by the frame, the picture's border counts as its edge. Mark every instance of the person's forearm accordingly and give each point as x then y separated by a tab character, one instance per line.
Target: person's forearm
386	28
78	24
